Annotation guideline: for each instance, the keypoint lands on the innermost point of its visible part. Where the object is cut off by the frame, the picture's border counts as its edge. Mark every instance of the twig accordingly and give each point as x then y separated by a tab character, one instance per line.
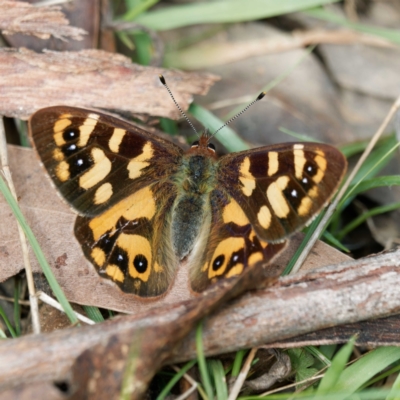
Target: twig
331	209
25	253
188	392
51	302
242	375
11	300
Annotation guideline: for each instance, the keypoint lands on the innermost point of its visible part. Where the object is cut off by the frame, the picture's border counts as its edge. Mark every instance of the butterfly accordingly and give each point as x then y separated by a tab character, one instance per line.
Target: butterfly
145	204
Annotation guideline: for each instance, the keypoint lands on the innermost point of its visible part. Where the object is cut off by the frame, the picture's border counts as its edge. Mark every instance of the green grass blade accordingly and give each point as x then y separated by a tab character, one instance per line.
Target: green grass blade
379	181
205	377
8	323
93	313
377	160
360	372
392	35
237	363
333	241
364	216
218	373
139	9
332	375
3	335
318	354
17	306
38	253
222	11
302	137
228	137
395	388
175	379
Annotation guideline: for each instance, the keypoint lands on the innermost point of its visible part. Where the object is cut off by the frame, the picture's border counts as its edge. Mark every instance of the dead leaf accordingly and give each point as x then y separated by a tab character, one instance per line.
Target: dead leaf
304	102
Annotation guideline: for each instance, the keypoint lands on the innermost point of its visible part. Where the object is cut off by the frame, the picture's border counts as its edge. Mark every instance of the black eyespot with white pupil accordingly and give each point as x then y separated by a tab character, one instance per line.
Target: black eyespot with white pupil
140	263
195	144
70	134
218	262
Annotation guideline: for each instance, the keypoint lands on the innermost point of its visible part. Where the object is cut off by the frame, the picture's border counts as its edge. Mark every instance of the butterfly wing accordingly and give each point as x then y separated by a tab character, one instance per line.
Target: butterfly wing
231	246
116	176
263	196
281	188
96	160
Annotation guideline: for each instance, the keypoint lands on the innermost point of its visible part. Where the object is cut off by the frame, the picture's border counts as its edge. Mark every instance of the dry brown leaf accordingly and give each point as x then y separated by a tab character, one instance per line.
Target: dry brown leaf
42	22
104	80
52	222
304	102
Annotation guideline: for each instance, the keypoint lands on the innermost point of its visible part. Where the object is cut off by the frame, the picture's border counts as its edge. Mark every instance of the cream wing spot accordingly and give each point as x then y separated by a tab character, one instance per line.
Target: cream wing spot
103	193
236	270
264	217
115	273
246	178
299	160
140	204
98	256
305	206
139	250
86	129
59	127
100	169
116	139
223	254
313	192
140	162
62	171
276	197
322	164
233	213
58	155
273	163
255	257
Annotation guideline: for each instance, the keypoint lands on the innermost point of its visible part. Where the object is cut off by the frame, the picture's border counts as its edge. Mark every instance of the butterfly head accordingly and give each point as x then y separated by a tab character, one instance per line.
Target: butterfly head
203	146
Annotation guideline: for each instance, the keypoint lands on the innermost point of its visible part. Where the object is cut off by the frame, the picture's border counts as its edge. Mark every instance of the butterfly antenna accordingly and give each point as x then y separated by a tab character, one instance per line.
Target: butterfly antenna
162	80
259	97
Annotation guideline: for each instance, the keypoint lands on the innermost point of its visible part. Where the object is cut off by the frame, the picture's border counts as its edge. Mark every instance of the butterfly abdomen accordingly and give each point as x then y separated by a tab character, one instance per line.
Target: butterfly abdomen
191	208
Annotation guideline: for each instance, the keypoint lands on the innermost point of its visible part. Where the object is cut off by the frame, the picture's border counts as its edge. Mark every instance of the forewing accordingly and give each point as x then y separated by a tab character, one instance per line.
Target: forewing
281	188
231	246
96	160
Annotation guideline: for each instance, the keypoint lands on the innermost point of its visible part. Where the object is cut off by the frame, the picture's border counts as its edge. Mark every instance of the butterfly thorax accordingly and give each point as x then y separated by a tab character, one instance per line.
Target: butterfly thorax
195	179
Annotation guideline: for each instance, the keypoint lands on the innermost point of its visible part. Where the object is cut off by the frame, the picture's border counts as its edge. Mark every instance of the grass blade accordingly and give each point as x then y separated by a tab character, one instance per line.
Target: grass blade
205	377
175	379
222	11
228	137
93	313
357	374
333	373
38	253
